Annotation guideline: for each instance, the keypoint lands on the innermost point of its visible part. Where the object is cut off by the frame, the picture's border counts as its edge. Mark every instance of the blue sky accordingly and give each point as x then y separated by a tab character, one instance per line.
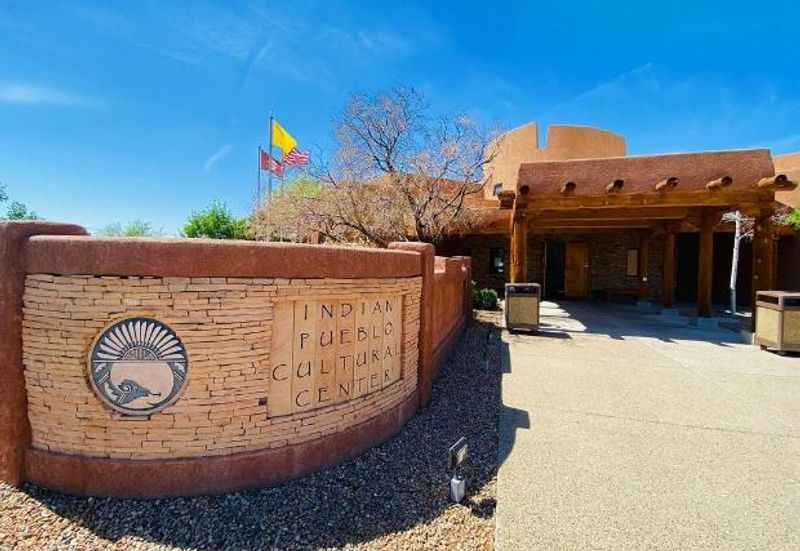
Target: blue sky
116	111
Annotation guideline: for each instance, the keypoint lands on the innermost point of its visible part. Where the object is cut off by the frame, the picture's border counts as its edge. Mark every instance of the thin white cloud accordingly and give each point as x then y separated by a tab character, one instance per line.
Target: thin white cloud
668	111
261	39
217	157
33	94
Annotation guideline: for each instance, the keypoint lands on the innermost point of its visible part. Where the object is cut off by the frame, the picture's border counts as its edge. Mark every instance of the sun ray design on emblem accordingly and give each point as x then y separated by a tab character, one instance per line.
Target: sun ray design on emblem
138	366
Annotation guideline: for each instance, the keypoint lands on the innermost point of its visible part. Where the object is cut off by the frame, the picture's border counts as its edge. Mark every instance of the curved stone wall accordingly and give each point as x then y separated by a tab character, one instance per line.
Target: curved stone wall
181	367
241	392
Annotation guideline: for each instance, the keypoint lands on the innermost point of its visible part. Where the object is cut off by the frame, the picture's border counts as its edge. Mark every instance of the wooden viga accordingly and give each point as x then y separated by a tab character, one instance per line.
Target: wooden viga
779	182
667	184
615	186
719	183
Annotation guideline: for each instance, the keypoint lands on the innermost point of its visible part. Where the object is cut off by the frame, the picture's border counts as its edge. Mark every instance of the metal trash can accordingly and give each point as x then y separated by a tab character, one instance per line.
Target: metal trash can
522	306
778	320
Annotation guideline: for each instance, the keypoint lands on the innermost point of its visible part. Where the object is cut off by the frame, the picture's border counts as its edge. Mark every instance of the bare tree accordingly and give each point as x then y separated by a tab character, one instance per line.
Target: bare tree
738	235
398	173
744	228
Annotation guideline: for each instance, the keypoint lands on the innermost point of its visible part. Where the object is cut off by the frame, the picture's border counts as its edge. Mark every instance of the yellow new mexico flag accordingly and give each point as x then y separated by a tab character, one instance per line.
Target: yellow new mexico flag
281	138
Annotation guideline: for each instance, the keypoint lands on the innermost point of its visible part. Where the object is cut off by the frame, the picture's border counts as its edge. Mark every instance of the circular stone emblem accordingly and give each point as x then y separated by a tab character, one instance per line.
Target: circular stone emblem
138	366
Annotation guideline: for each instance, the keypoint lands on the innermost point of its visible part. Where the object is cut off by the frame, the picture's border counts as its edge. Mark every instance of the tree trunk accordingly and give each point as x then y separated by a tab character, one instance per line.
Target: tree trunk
737	237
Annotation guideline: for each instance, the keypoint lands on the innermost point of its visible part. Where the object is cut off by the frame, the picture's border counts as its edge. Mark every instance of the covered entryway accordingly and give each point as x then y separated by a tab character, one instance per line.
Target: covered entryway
651	198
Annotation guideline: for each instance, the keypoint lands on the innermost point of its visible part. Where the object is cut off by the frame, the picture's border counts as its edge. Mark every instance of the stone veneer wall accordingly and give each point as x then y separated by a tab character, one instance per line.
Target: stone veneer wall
225	325
608	258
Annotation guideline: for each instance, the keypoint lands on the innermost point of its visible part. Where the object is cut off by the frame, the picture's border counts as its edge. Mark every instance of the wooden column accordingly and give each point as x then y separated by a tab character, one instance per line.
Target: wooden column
764	257
519	238
705	268
669	267
644	259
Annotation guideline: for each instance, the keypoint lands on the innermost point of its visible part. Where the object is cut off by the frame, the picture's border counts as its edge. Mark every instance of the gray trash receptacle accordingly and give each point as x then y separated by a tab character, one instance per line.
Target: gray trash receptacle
522	306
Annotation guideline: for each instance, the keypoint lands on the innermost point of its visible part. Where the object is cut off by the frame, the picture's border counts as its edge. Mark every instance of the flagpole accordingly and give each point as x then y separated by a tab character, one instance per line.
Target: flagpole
269	185
258	186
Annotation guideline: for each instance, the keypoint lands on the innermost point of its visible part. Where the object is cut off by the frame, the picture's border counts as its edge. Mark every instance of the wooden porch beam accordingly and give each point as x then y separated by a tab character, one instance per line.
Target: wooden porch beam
543	223
723	198
618	213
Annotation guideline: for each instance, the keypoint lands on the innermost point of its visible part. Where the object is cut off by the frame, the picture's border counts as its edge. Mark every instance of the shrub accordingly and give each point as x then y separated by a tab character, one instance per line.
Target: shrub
484	299
216	222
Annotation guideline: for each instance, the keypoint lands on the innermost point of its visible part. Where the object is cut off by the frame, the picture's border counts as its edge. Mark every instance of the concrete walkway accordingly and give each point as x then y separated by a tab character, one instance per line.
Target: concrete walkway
621	431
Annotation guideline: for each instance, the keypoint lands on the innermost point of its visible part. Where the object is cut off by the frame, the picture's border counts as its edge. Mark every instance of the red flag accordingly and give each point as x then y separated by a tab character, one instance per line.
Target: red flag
270	164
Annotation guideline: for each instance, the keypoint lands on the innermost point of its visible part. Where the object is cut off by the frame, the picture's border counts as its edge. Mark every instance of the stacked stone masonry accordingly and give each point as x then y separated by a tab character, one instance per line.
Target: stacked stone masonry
226	325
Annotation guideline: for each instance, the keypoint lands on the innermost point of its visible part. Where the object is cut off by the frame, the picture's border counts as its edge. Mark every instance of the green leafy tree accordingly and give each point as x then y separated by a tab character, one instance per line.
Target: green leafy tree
134	228
216	222
18	211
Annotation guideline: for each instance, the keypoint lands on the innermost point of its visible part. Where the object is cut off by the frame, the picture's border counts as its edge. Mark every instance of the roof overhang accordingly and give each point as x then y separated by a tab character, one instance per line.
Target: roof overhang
635	192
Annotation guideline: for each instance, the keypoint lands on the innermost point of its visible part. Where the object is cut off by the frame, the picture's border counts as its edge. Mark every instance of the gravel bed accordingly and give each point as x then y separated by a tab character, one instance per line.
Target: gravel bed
394	496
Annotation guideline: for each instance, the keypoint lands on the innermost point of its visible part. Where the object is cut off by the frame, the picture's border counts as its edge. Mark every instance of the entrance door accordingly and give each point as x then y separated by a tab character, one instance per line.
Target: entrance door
576	273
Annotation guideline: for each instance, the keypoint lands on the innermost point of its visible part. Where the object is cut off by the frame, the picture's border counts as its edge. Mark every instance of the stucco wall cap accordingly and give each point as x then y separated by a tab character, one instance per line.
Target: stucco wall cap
211	257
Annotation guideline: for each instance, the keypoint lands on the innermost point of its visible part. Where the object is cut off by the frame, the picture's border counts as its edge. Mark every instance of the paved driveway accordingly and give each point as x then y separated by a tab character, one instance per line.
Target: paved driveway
620	431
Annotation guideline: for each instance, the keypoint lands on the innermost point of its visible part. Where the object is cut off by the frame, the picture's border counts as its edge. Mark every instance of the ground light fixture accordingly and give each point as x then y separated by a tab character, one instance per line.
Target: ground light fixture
458	456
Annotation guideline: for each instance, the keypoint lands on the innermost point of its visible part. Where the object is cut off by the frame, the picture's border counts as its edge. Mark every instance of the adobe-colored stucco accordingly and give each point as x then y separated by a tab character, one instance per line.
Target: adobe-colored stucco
14	427
788	164
210	258
451	279
581	142
640	174
521	145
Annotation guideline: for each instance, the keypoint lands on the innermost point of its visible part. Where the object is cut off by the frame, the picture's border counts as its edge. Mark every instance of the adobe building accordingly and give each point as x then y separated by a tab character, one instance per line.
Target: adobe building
585	220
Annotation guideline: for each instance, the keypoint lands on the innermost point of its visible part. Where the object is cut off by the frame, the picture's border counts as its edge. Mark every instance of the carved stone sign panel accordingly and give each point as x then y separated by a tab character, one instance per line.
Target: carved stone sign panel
138	366
329	351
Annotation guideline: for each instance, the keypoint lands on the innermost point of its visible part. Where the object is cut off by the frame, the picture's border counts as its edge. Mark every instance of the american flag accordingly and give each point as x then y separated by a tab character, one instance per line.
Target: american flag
295	157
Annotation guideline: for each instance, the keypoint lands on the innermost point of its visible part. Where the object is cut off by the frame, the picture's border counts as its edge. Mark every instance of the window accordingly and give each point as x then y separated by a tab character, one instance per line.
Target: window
497	261
497	189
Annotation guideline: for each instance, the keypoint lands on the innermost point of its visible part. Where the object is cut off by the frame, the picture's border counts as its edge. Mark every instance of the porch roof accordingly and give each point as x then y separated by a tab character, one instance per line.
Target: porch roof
636	192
